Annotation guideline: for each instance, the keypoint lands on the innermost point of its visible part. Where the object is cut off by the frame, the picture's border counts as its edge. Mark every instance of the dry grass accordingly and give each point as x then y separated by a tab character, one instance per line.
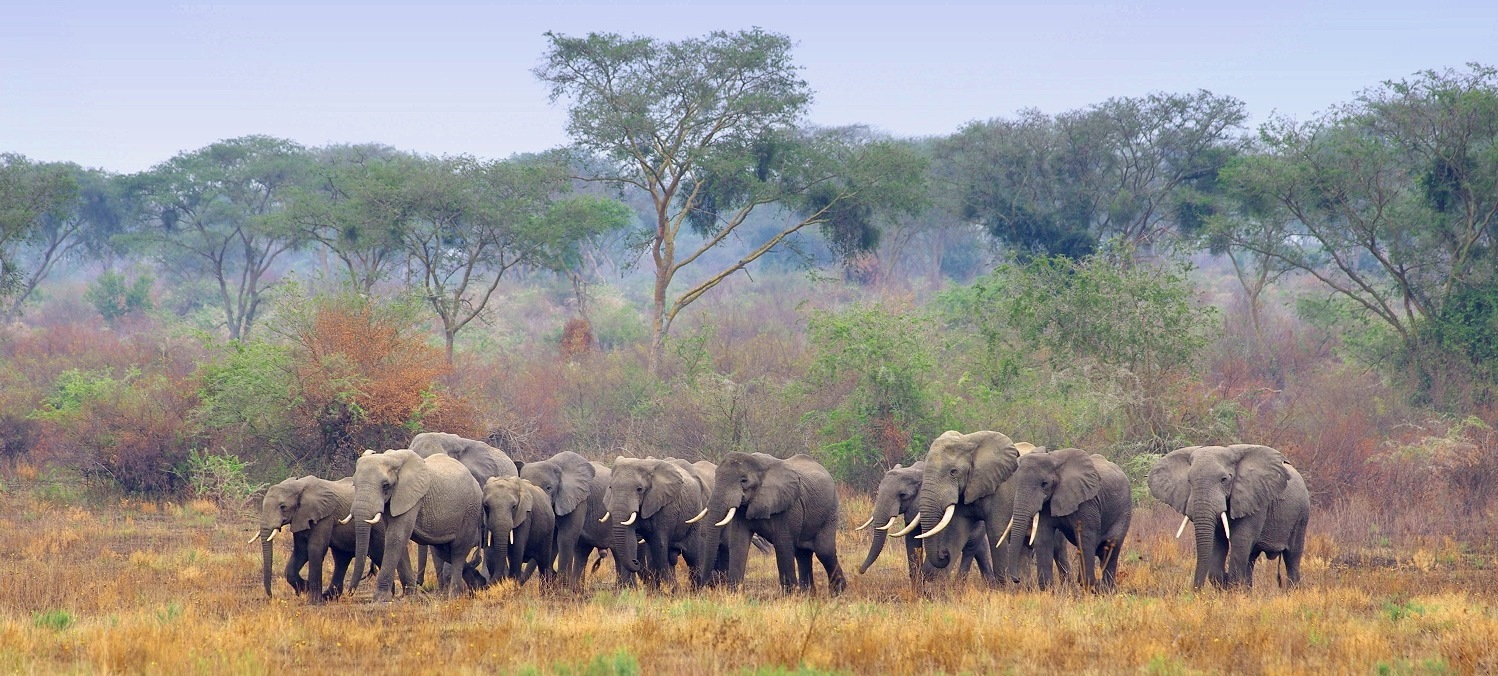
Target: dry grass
176	589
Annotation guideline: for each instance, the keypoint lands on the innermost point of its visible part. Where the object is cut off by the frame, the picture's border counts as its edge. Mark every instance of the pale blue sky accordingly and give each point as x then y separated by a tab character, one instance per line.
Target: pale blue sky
126	85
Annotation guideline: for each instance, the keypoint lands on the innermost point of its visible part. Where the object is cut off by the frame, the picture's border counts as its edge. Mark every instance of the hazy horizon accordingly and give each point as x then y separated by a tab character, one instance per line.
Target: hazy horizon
124	88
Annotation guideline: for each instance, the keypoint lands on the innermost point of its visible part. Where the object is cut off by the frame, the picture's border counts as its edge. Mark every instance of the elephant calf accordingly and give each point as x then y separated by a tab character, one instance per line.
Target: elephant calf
1083	497
521	528
311	507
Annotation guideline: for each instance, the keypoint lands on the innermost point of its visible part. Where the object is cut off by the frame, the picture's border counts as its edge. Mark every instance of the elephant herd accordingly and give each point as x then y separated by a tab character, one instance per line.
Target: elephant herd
1001	505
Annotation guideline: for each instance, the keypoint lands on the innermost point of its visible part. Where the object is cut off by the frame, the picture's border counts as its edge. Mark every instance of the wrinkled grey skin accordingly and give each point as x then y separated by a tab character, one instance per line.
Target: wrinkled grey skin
970	473
481	459
568	481
517	509
661	496
791	503
433	501
311	508
1080	496
896	496
1265	499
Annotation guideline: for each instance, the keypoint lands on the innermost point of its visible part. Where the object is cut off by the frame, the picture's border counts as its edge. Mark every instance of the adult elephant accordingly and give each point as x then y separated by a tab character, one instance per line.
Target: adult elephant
568	480
1259	500
1081	496
652	499
433	501
482	460
896	496
312	507
521	528
791	503
964	487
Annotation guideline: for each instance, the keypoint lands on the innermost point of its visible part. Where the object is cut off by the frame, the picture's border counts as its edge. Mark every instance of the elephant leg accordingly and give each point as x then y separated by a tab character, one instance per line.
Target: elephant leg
1060	554
1240	565
984	558
785	560
826	549
803	571
1088	545
738	553
662	560
1043	543
404	571
1111	551
318	542
421	565
397	534
295	562
341	561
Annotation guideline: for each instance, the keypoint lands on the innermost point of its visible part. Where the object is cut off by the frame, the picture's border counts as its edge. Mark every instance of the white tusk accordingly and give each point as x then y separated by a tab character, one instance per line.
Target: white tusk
728	518
641	542
272	535
866	523
605	518
471	554
1005	534
946	518
253	538
347	519
887	524
1225	530
1184	520
512	537
699	516
630	520
1034	528
375	520
908	527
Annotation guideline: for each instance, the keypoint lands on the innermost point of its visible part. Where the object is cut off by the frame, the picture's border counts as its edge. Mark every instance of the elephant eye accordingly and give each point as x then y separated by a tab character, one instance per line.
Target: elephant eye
1224	478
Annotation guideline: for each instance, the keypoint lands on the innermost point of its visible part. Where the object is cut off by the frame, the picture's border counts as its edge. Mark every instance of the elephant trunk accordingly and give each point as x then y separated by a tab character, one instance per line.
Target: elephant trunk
266	556
938	550
1204	513
1023	529
882	515
626	546
498	556
362	512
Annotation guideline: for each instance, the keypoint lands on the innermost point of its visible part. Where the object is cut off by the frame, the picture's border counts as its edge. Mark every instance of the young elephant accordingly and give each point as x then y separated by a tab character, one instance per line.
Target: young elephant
1259	500
791	503
433	501
652	500
896	496
568	480
1083	497
312	508
521	528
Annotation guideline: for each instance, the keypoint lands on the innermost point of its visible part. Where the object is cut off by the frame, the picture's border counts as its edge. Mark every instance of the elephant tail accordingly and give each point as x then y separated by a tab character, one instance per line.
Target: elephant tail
761	544
598	561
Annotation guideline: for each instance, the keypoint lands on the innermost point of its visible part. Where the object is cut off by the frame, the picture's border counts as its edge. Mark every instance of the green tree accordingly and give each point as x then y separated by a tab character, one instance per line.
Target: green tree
29	193
216	212
81	225
114	298
711	128
358	206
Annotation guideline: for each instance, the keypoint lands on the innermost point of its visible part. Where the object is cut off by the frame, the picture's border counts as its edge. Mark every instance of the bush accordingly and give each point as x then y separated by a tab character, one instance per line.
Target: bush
114	298
220	478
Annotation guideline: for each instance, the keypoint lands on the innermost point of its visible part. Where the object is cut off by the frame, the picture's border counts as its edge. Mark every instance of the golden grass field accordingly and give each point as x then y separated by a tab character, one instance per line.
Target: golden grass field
174	588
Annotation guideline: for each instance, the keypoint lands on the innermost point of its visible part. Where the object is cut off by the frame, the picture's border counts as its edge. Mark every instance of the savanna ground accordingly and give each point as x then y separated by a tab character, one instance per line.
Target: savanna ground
146	587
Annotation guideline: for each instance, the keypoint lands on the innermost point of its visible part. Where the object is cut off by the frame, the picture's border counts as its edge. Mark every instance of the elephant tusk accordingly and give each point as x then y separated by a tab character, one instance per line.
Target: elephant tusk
641	542
631	520
1184	520
728	518
908	527
1034	528
605	518
1004	535
699	516
887	524
512	537
272	535
946	518
866	523
253	538
1225	530
471	553
375	520
346	519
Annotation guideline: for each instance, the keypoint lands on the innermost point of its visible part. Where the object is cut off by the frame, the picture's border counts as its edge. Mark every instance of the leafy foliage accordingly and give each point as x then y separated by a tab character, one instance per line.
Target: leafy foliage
114	298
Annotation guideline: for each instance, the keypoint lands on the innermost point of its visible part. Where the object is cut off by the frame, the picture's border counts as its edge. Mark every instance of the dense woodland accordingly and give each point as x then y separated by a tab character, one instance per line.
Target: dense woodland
706	270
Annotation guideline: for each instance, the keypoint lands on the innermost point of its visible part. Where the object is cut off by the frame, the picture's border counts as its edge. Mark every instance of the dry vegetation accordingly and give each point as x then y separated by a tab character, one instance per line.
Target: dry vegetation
174	588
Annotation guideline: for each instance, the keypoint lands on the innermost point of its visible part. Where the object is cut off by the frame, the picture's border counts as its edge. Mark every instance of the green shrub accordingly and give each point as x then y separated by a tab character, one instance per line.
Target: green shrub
220	478
114	298
56	620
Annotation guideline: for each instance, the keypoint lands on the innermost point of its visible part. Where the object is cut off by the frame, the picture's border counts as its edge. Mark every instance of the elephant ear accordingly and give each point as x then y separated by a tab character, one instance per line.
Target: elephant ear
994	459
778	488
413	479
1167	478
479	461
318	502
666	483
576	483
1077	480
525	501
1260	478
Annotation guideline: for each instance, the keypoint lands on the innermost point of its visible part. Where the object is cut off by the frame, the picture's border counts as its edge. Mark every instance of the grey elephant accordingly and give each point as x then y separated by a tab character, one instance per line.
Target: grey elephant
1080	496
482	460
433	501
651	500
896	497
521	528
1259	501
791	503
966	486
574	491
311	507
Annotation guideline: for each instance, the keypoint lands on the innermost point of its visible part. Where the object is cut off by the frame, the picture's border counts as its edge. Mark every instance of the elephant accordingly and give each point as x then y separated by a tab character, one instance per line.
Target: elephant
574	491
966	480
896	496
1081	496
433	501
653	499
1247	489
312	507
520	527
482	460
791	503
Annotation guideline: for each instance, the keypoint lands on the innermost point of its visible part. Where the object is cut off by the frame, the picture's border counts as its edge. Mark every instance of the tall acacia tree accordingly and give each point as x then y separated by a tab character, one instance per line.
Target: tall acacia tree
30	193
711	128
